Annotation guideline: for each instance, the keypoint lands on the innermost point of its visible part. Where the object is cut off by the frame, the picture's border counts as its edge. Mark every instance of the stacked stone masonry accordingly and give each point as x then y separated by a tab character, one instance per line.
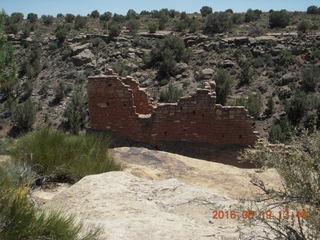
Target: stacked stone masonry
119	105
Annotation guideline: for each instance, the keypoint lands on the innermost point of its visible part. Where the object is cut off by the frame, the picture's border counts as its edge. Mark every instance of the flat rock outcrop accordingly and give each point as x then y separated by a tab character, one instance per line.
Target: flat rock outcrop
127	207
227	180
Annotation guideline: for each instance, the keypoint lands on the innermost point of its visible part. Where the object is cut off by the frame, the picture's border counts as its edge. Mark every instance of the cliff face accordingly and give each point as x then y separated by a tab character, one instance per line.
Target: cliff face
119	105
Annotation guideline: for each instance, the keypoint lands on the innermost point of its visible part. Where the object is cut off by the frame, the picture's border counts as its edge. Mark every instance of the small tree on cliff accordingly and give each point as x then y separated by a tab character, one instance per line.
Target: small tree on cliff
76	113
167	53
205	11
223	85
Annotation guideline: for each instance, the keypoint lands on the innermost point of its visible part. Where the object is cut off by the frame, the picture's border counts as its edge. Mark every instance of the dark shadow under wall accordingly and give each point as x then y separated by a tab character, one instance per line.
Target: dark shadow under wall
204	151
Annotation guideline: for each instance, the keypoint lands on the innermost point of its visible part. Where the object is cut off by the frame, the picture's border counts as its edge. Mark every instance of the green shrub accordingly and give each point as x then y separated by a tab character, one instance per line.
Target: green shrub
32	17
163	19
107	16
114	29
61	33
205	11
80	22
16	17
31	66
218	23
279	19
247	73
315	55
21	220
69	18
95	14
8	72
11	28
223	85
24	115
133	26
131	14
122	68
313	10
310	78
281	132
69	157
144	13
173	13
118	18
152	27
47	19
76	113
171	95
298	168
44	89
286	59
303	26
182	25
253	103
297	107
252	15
237	18
27	89
61	91
270	106
166	53
194	26
255	31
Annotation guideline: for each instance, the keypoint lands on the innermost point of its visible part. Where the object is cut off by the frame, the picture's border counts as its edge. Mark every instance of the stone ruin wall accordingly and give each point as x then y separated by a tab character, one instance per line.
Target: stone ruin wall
119	105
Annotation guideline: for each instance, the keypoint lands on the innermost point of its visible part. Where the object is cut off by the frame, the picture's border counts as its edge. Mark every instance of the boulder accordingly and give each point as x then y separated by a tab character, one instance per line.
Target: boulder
227	64
76	48
180	68
284	92
286	79
207	73
84	57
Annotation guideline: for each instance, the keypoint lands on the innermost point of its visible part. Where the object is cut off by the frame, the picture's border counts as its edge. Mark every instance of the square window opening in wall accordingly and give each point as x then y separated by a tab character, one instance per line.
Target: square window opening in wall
108	104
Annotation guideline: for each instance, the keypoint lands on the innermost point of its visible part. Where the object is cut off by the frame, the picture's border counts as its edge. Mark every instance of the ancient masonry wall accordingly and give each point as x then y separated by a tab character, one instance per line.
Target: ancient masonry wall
119	105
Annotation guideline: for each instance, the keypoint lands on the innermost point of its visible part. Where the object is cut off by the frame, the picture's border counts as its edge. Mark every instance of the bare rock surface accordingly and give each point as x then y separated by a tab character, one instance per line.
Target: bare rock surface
86	56
128	207
225	179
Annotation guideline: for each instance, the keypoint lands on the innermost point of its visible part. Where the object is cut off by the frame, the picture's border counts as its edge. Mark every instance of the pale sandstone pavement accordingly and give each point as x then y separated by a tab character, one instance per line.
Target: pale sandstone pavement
131	208
171	197
224	179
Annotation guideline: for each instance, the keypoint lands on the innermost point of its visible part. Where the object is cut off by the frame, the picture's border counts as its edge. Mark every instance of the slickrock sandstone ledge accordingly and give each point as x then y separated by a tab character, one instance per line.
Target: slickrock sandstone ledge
127	207
170	197
225	179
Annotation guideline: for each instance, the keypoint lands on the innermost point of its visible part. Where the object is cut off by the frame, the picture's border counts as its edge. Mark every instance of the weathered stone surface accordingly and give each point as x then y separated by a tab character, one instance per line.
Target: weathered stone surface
84	57
207	73
76	48
286	79
180	68
227	180
227	64
284	92
127	207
